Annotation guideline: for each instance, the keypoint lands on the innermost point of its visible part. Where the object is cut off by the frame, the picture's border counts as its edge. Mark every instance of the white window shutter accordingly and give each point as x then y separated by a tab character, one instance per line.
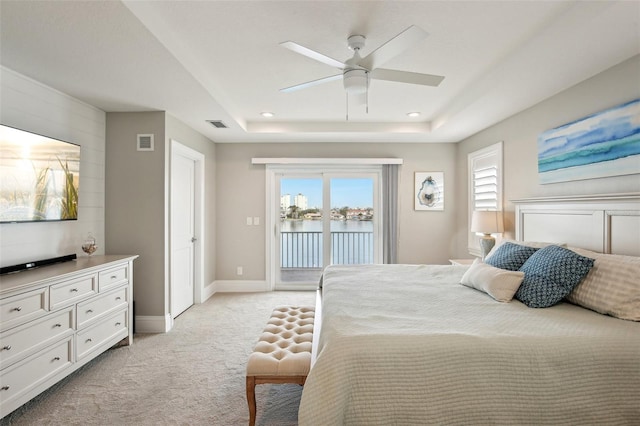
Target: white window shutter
485	185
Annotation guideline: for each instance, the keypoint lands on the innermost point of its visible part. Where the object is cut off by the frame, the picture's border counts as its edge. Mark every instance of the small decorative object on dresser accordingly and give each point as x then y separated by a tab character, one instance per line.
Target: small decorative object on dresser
56	318
89	245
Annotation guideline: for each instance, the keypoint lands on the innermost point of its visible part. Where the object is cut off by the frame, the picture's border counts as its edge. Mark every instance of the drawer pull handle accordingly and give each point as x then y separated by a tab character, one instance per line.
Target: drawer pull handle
73	290
117	324
7	348
88	341
118	298
17	308
57	325
57	358
5	387
113	277
89	311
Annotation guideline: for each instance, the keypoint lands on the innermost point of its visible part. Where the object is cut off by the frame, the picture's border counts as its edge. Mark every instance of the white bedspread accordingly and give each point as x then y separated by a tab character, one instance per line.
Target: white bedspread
408	345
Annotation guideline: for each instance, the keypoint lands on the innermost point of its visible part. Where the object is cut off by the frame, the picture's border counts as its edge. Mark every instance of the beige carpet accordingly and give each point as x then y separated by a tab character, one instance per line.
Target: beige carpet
190	376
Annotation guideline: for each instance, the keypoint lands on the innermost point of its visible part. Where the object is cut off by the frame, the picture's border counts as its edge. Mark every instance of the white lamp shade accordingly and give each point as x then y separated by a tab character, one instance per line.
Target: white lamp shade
487	222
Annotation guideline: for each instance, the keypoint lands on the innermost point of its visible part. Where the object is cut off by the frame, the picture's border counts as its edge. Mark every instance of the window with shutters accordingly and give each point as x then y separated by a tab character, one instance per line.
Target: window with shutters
485	186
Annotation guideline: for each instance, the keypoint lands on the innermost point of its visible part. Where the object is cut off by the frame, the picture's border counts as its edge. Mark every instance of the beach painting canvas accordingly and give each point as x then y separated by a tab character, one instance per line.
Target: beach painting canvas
603	144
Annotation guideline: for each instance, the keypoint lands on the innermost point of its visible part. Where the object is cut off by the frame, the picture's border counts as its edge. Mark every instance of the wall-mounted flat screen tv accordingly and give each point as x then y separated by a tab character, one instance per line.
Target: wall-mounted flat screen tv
39	177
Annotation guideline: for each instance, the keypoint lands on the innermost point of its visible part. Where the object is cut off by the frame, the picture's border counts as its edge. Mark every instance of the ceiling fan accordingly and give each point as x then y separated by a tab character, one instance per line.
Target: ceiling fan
357	71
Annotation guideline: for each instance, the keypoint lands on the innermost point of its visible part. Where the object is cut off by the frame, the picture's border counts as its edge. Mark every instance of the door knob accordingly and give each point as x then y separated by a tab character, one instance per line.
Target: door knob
194	239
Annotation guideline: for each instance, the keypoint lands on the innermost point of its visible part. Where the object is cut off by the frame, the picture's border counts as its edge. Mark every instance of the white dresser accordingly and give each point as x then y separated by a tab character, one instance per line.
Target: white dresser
56	318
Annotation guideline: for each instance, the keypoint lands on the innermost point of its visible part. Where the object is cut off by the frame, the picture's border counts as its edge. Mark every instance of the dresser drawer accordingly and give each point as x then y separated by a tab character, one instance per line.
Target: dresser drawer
28	338
113	277
110	329
38	368
21	308
101	305
68	292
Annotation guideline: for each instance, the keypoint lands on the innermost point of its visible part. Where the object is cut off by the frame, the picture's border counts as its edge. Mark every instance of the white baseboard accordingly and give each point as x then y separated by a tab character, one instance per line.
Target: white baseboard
162	324
296	287
151	324
208	291
237	286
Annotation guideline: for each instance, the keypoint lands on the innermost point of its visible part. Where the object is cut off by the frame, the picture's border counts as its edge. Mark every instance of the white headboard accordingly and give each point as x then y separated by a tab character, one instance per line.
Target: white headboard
603	223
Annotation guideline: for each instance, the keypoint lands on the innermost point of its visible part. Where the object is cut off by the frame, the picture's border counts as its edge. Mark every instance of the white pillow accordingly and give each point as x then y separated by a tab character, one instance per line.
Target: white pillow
497	283
612	287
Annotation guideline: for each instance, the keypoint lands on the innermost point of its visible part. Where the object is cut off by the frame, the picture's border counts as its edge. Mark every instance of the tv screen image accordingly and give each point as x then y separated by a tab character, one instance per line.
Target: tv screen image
39	177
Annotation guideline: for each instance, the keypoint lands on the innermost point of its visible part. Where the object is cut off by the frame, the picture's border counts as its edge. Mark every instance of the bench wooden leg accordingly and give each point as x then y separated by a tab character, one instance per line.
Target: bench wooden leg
251	399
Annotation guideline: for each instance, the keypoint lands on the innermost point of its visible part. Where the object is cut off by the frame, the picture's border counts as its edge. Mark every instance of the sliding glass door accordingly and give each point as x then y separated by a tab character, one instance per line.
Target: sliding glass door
300	228
322	217
352	220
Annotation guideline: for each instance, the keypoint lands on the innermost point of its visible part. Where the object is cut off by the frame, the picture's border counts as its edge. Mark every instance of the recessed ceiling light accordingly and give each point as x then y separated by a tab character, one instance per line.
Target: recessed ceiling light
267	114
413	114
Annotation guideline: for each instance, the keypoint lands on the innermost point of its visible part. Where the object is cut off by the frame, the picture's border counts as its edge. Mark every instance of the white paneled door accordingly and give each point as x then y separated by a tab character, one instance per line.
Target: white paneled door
183	236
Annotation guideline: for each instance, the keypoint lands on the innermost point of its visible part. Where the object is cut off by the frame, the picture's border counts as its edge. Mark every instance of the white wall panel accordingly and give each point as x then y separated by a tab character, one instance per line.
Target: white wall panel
624	232
32	106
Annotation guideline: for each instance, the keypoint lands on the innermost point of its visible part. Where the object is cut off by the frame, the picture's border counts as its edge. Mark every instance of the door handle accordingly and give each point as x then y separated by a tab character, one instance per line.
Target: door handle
194	239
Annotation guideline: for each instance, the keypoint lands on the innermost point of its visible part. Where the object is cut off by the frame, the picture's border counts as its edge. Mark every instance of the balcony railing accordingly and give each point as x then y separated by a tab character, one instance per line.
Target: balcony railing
304	249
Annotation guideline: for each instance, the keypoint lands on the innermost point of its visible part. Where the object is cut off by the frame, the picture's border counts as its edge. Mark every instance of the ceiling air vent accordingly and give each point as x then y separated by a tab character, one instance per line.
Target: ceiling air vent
218	124
145	142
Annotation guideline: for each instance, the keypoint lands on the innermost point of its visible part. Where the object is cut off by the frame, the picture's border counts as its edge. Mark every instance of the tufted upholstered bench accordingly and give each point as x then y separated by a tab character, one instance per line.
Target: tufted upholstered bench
283	351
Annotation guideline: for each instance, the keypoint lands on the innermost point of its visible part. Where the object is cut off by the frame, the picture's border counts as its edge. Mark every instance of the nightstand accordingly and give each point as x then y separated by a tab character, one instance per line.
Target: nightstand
461	262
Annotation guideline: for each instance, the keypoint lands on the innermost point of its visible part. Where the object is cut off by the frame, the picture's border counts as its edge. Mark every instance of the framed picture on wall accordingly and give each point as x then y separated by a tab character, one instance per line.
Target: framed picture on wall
429	191
604	144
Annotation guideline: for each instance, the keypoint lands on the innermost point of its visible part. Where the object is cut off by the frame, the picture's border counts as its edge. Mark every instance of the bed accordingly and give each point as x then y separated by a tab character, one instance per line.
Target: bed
410	345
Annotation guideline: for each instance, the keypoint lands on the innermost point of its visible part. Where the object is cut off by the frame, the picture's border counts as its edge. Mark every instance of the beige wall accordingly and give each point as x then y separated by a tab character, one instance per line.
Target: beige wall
520	132
135	203
240	192
29	105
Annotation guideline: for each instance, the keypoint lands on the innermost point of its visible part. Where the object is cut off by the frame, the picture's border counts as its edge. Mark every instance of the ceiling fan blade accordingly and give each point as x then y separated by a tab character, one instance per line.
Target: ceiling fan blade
393	47
406	77
312	54
311	83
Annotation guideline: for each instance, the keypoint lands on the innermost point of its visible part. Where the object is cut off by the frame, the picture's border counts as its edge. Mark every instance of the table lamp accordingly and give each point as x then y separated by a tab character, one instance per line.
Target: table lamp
487	222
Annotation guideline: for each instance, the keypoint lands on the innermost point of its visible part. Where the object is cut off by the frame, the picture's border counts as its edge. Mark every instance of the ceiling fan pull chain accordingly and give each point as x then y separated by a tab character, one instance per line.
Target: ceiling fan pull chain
347	99
367	94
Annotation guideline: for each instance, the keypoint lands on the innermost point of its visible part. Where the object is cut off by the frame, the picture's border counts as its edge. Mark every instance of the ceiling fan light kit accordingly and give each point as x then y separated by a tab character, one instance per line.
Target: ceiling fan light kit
356	81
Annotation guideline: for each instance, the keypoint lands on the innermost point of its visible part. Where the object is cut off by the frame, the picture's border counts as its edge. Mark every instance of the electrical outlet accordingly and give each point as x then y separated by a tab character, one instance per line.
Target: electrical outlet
239	270
256	220
249	221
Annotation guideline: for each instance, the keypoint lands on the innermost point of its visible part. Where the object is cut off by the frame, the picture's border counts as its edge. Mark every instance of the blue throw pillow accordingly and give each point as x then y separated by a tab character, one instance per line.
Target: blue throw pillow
510	256
550	274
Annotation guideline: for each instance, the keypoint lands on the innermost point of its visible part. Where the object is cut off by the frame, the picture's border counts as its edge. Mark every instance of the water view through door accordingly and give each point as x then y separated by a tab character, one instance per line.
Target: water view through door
312	237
